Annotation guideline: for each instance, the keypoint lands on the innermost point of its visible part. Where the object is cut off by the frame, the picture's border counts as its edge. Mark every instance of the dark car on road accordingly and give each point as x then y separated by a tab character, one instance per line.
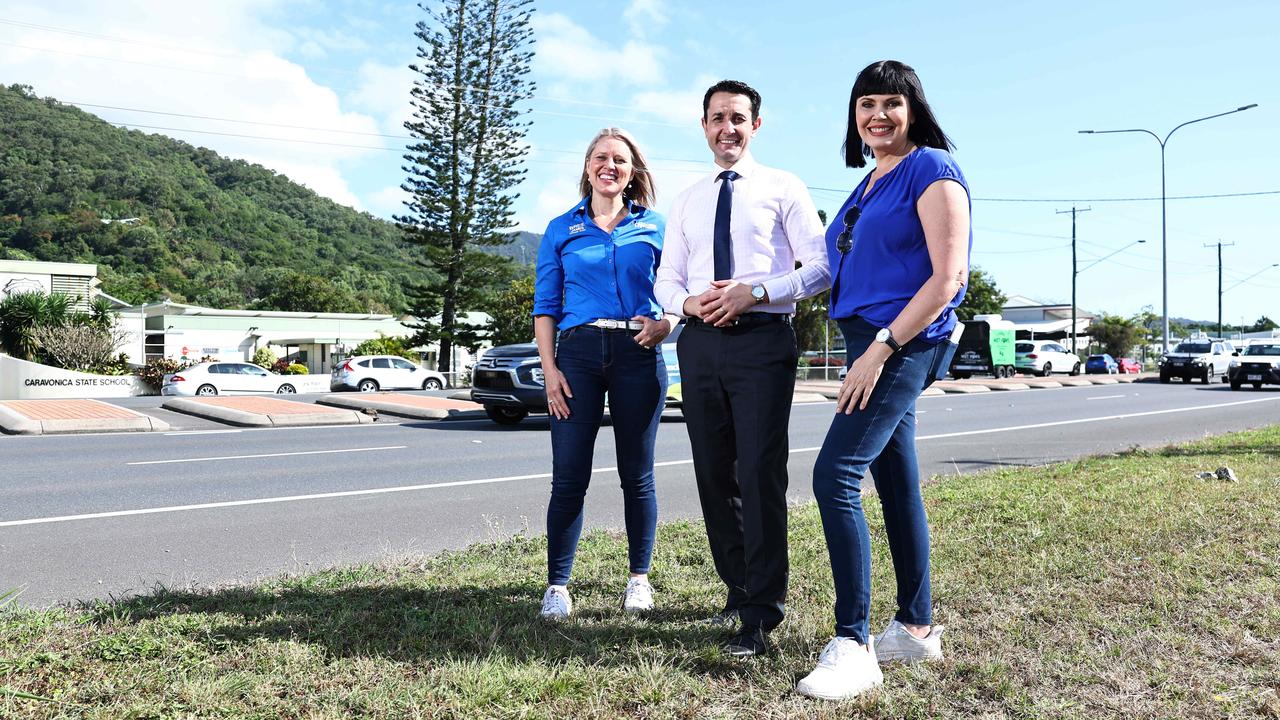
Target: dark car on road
508	380
1101	363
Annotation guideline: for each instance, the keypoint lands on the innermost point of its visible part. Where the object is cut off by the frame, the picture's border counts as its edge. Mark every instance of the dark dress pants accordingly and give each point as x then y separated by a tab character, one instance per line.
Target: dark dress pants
737	385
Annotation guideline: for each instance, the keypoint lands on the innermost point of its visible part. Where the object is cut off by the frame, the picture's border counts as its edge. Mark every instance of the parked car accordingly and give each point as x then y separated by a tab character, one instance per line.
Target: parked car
1101	364
1129	365
507	380
1042	357
1259	363
1197	359
371	373
225	378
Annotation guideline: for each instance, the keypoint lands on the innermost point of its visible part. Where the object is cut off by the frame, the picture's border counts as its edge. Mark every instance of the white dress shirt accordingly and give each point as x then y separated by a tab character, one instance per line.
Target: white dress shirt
773	225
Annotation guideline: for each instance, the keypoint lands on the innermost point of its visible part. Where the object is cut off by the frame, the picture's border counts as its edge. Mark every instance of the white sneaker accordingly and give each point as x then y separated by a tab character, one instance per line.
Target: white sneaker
556	604
638	597
896	644
845	669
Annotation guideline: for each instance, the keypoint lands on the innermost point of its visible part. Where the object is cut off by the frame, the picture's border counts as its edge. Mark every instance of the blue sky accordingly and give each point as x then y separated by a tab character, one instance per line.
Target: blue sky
1011	83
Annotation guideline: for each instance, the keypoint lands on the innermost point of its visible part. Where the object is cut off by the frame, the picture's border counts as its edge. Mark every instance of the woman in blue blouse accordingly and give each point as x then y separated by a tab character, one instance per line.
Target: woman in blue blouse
899	256
594	289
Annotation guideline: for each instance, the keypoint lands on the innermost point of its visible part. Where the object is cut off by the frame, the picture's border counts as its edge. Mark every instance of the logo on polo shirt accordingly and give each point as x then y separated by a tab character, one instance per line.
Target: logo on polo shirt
646	225
577	228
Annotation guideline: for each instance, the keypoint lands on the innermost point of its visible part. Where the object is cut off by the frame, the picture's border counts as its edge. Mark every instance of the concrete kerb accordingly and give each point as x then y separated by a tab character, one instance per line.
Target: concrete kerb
1075	382
245	418
13	422
960	388
390	407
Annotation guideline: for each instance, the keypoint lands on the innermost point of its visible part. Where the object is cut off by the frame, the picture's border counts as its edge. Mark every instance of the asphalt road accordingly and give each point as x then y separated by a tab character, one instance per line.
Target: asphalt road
98	516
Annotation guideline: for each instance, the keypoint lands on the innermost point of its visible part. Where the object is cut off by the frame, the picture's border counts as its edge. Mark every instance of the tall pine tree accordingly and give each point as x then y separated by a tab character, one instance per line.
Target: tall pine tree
466	160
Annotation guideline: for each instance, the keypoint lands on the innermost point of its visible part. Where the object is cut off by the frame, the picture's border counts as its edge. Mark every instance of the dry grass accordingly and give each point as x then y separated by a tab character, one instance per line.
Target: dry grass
1111	587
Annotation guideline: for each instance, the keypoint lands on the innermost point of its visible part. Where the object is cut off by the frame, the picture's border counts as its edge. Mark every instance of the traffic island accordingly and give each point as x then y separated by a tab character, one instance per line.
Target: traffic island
1041	384
961	387
59	417
264	412
417	407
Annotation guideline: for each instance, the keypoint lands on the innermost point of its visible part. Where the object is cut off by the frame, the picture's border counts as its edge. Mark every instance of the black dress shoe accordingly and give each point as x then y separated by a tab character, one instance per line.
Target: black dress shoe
723	619
748	643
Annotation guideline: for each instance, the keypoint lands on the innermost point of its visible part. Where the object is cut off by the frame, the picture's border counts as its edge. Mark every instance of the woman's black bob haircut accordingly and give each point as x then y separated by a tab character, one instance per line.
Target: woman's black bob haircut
890	77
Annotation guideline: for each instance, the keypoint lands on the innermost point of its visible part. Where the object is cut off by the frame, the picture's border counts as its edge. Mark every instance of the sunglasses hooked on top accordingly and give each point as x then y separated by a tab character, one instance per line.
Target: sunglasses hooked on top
844	241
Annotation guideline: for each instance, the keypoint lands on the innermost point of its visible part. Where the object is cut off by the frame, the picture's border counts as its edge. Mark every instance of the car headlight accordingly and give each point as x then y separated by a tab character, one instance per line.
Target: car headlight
538	376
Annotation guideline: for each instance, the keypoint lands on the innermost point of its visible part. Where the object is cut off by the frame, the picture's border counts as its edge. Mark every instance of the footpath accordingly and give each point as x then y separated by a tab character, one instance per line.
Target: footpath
49	417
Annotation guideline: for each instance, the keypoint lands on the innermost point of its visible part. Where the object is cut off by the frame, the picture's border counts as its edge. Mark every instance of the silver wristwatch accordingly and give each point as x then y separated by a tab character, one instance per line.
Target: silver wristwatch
886	336
758	293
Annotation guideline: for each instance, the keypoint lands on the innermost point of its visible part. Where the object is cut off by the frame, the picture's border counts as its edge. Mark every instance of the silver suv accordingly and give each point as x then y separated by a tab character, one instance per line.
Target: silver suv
1197	359
371	373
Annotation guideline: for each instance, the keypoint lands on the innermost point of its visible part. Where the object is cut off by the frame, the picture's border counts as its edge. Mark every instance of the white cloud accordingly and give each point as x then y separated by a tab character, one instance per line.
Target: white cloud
643	16
675	106
388	201
566	50
216	60
554	200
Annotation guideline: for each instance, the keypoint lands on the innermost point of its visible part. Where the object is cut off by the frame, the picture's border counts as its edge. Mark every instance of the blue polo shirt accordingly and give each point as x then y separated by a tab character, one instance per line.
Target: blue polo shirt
586	274
889	261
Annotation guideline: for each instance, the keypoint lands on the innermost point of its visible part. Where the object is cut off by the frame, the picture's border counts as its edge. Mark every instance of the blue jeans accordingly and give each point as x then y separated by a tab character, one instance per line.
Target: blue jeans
882	438
594	362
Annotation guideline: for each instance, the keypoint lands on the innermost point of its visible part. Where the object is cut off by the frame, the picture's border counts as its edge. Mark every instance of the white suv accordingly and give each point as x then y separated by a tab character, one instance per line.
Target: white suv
371	373
1200	360
1257	364
1042	357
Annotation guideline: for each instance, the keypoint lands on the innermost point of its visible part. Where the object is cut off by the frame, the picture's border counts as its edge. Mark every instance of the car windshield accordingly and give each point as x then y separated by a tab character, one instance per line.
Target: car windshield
1024	347
1273	350
1192	348
1098	357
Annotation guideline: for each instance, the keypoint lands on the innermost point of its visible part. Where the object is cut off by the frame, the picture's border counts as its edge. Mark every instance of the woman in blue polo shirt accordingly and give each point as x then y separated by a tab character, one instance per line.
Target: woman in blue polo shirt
594	289
899	254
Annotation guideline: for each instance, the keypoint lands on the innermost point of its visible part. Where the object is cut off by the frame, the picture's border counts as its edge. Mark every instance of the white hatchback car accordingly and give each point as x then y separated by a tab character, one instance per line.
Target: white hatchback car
1043	357
371	373
225	378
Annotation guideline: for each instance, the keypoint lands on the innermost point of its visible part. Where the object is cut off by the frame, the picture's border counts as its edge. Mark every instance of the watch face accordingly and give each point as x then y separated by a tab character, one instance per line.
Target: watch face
757	292
883	335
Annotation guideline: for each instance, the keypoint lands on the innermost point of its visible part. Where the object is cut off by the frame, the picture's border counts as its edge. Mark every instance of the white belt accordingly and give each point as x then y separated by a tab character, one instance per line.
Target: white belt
617	324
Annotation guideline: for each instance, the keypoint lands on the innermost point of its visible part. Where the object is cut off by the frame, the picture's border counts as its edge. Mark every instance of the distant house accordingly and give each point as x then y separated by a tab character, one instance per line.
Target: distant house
1036	320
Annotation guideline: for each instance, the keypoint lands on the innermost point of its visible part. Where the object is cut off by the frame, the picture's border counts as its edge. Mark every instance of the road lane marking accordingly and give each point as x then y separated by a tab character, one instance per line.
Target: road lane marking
544	476
201	432
1105	397
265	455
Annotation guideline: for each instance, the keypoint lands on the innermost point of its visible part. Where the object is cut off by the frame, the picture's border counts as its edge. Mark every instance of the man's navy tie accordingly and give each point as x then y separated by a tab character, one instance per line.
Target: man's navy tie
722	243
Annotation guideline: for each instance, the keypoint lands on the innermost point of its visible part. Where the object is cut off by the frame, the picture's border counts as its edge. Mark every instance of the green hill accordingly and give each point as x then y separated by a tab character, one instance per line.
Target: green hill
163	218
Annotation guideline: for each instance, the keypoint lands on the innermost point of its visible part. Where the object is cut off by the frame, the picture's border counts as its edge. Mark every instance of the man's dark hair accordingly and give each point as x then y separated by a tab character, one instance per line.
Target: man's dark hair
733	87
890	77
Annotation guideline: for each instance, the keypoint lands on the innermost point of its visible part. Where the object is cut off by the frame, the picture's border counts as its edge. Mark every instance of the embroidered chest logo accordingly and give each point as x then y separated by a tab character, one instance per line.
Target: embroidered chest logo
646	226
577	228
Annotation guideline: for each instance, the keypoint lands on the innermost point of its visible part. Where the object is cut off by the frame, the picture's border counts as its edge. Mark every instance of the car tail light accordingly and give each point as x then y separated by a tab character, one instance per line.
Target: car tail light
1032	356
177	379
347	366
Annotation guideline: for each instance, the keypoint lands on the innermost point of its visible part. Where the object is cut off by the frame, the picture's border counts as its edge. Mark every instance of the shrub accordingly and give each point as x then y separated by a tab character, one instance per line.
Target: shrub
296	369
265	358
279	367
156	368
386	345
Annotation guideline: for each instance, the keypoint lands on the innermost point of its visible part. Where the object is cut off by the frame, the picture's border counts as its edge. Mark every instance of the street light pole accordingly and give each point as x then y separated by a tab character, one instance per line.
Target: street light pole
1164	223
1074	272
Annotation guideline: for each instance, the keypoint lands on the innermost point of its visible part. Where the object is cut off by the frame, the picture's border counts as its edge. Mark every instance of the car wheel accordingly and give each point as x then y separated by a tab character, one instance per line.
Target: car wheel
206	390
1235	386
286	389
1075	369
1186	378
1257	386
960	375
432	384
505	415
1046	370
1208	375
368	385
1164	378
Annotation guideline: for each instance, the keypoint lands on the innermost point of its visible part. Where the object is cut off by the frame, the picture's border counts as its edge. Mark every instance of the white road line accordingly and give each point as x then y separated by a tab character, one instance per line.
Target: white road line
1104	397
201	432
544	476
266	455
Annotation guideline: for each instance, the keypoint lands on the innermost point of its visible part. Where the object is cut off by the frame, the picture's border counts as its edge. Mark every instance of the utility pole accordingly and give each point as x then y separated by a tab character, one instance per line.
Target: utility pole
1220	245
1073	212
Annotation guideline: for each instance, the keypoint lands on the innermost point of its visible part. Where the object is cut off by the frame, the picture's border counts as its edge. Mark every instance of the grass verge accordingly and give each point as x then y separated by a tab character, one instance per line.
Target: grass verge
1117	586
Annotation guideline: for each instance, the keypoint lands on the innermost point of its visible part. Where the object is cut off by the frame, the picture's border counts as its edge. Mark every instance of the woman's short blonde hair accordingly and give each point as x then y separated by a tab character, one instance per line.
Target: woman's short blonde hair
641	189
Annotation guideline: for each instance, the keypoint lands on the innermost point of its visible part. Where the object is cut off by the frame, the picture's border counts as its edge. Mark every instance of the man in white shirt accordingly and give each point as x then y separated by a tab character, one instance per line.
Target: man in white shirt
729	265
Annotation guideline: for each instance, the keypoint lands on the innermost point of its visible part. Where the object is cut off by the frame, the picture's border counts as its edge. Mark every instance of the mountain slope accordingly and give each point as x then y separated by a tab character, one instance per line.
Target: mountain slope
163	218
